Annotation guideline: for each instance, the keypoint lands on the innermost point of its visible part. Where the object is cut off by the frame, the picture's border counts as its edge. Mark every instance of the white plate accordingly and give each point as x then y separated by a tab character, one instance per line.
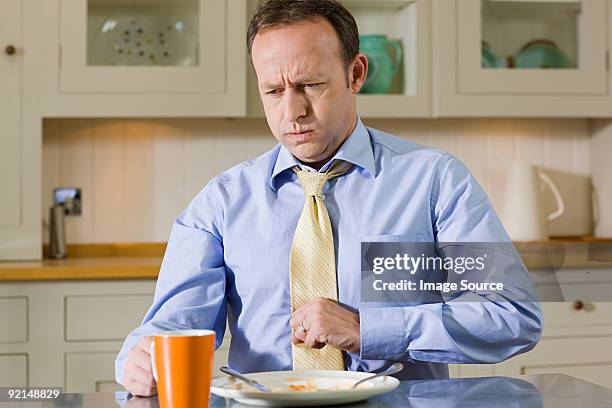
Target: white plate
333	388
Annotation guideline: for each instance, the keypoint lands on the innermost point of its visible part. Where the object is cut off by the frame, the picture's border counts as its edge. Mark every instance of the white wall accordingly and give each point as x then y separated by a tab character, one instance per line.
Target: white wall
137	175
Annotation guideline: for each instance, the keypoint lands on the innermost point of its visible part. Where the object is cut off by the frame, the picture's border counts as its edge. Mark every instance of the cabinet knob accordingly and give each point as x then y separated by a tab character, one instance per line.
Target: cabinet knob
10	50
578	305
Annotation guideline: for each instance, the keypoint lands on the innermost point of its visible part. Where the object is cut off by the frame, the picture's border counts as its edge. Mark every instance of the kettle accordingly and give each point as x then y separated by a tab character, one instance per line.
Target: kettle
523	211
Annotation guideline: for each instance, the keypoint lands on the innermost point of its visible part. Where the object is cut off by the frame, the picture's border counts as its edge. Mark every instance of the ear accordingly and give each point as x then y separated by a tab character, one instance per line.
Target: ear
358	72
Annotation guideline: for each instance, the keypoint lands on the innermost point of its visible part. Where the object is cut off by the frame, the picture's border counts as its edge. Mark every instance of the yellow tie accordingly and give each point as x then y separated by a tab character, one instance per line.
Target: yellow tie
313	263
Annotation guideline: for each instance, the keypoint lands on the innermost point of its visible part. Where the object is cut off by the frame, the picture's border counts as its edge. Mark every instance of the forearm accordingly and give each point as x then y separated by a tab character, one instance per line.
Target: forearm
190	291
477	331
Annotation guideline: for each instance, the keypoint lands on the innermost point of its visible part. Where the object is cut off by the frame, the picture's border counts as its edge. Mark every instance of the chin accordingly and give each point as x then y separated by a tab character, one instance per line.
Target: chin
308	156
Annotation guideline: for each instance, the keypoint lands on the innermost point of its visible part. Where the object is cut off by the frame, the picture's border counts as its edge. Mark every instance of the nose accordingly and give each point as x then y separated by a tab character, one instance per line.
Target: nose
296	105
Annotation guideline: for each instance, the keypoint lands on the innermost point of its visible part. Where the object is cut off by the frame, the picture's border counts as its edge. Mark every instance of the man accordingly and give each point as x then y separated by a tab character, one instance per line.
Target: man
257	234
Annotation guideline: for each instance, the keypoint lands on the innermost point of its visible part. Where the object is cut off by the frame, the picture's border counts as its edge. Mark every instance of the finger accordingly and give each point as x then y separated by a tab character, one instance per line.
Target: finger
139	390
296	340
145	344
299	335
300	314
297	317
141	359
140	402
141	376
312	341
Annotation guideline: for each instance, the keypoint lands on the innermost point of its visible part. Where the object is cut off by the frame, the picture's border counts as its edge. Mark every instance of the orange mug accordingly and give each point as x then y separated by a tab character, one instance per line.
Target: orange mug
182	363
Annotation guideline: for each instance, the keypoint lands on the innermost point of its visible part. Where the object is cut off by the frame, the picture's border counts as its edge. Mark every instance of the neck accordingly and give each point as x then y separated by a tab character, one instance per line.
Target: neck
317	165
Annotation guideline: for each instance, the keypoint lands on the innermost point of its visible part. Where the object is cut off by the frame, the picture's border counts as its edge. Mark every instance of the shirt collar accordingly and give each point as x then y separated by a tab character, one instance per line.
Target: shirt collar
356	149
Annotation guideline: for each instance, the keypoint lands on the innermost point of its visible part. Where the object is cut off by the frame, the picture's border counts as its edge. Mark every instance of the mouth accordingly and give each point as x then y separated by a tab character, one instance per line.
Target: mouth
300	133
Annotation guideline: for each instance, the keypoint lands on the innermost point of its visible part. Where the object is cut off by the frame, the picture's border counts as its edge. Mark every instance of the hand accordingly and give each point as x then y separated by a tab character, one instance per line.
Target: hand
137	375
138	402
325	323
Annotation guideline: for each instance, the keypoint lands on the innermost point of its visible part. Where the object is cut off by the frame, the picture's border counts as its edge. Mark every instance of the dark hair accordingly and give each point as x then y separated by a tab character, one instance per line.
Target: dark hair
275	13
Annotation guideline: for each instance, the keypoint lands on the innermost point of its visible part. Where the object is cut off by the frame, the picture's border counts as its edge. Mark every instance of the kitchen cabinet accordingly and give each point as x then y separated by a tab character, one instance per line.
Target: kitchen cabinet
406	25
518	58
67	334
20	130
474	58
161	58
576	337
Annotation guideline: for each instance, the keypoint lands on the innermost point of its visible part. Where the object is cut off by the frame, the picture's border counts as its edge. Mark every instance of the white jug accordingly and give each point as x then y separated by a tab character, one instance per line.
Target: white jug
522	212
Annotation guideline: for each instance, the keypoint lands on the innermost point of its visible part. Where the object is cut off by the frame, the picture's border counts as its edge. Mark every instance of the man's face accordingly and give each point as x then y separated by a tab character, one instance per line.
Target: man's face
303	86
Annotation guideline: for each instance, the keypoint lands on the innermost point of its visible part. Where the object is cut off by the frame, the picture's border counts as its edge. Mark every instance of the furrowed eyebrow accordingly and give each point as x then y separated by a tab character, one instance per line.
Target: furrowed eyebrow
301	81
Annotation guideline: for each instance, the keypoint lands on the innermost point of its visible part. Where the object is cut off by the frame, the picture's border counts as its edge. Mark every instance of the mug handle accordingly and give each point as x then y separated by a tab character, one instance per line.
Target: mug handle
395	44
555	190
152	354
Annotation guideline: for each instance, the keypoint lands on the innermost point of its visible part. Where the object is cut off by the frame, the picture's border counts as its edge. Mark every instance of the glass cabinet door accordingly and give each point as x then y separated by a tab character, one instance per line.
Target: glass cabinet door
530	47
395	37
143	46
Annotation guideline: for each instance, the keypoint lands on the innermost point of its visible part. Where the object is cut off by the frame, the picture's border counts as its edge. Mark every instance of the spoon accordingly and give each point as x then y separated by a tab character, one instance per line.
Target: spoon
249	381
395	368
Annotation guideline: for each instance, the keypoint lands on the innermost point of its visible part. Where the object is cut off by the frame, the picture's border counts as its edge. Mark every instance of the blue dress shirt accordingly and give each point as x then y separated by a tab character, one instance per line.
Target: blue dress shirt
227	260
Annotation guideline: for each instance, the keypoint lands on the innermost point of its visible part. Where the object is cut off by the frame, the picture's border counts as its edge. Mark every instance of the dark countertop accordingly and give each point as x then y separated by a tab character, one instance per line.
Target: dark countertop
545	390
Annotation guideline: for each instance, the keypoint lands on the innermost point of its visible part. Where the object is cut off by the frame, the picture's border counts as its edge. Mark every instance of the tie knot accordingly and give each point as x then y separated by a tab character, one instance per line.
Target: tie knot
313	182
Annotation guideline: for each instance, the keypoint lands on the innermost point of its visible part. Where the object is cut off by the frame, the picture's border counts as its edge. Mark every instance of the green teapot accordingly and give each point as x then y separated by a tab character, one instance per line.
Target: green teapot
381	67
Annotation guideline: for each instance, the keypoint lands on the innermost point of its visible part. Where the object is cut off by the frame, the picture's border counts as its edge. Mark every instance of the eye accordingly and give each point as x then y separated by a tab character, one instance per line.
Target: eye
313	85
275	92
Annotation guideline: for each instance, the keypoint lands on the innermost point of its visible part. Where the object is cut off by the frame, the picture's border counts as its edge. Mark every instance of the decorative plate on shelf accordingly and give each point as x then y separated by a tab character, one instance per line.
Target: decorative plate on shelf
143	40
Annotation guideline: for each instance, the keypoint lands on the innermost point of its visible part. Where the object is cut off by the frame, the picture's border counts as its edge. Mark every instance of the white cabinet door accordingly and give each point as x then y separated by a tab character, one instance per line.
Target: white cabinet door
10	112
517	58
13	370
20	132
554	47
174	46
145	58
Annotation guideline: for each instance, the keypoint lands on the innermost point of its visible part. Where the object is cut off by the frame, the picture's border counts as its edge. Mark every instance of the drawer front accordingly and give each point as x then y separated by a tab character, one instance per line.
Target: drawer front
588	358
573	319
95	371
90	372
13	370
104	317
13	319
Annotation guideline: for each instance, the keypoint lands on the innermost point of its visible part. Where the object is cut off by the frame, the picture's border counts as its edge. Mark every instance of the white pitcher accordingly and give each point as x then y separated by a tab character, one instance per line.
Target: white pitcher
522	212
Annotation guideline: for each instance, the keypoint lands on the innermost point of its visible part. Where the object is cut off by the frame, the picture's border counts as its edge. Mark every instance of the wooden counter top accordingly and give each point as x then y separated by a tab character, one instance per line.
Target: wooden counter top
90	268
142	261
91	262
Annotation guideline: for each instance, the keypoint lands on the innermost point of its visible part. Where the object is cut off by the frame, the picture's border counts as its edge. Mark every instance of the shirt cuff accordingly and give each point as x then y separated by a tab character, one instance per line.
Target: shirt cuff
382	333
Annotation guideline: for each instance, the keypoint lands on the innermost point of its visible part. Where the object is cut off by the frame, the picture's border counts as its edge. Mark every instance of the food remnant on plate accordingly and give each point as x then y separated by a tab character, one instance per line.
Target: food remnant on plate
301	387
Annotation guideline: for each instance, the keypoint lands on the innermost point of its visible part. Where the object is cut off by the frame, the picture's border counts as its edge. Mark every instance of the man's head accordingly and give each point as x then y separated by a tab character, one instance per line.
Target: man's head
309	70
